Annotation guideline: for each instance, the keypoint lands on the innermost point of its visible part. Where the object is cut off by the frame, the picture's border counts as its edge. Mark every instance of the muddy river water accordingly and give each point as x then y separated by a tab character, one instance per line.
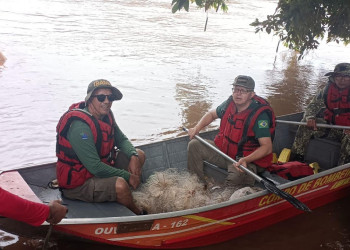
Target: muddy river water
170	72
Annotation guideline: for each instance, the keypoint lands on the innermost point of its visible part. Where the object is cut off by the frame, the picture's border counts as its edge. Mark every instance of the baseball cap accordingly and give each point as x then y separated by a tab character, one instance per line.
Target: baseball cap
244	81
101	83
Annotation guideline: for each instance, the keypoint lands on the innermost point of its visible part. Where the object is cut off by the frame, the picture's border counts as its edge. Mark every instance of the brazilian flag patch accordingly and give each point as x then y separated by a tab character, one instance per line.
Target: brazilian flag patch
263	124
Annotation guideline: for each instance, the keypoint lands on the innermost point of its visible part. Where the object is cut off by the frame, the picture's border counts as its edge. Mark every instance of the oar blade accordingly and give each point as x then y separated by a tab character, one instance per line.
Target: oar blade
291	199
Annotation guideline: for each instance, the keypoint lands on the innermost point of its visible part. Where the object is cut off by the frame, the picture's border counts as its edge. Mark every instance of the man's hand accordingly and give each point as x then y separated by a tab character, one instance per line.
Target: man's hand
57	212
241	161
208	118
134	166
192	132
134	180
311	124
347	131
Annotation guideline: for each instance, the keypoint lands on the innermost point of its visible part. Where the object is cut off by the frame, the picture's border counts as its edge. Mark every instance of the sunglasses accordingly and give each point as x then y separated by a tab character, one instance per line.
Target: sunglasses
102	98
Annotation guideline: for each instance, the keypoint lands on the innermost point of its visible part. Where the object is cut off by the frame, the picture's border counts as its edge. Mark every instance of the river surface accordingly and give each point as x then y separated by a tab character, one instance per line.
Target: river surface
170	73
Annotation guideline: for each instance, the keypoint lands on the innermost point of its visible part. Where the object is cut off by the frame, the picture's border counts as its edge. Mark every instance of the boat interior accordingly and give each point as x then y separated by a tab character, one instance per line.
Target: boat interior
161	156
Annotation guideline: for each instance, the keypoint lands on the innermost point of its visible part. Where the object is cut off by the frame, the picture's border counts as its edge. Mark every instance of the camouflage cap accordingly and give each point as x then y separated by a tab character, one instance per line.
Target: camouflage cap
244	81
99	84
341	68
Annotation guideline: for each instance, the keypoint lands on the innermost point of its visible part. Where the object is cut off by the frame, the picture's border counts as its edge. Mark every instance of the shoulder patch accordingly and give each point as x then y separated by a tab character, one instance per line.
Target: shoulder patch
263	124
83	136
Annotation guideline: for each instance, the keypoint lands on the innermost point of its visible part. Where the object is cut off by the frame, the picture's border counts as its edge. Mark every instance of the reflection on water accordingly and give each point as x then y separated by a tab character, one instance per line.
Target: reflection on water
193	101
292	88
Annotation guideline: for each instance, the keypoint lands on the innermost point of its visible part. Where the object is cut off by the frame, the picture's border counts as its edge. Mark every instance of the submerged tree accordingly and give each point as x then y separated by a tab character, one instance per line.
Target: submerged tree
206	4
299	24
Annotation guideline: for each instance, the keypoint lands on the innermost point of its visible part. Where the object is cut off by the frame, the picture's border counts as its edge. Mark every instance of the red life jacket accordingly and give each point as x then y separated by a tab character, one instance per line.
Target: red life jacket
236	137
337	103
70	171
292	170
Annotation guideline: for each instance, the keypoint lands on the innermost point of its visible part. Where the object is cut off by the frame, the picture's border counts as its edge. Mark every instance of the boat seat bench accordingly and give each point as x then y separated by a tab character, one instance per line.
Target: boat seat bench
330	148
37	179
81	209
13	182
330	152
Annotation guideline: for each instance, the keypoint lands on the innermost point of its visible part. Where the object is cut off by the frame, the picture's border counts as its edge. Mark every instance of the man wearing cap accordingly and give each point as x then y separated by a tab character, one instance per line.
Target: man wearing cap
330	105
96	161
246	127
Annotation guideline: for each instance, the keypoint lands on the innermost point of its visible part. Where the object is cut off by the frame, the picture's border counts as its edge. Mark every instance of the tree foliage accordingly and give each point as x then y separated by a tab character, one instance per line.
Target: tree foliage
301	23
206	4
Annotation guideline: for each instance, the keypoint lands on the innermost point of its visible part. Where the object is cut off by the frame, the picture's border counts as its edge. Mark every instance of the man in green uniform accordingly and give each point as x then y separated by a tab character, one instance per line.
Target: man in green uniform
247	124
331	105
89	167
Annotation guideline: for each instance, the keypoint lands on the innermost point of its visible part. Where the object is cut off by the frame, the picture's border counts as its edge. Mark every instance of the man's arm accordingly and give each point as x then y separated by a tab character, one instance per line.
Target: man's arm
262	134
208	118
264	149
17	208
123	143
312	109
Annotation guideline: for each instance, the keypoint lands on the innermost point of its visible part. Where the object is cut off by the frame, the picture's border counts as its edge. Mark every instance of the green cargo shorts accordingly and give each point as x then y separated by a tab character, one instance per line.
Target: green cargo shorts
98	189
94	190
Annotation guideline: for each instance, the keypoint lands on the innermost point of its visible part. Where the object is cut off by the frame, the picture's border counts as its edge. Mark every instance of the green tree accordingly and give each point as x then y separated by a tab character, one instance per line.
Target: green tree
206	4
300	24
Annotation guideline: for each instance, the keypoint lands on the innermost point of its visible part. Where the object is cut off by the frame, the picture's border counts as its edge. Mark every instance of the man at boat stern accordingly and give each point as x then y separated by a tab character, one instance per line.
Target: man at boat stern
246	127
330	105
96	161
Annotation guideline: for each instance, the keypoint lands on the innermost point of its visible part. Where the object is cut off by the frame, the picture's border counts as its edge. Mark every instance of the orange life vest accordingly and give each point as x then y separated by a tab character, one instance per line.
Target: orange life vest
236	137
70	171
337	103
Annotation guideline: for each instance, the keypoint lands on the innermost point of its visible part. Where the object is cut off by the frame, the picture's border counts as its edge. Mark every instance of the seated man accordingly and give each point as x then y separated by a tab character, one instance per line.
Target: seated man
334	98
88	167
247	124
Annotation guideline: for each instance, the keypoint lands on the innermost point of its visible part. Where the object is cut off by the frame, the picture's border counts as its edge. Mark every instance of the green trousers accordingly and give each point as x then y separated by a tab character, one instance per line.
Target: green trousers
197	153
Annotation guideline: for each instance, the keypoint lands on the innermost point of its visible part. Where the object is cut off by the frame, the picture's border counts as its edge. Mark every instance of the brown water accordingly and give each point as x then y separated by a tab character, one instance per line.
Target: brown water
170	72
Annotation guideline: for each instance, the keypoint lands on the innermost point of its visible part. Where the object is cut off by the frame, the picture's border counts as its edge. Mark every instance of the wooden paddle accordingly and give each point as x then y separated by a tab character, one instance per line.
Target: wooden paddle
321	125
267	184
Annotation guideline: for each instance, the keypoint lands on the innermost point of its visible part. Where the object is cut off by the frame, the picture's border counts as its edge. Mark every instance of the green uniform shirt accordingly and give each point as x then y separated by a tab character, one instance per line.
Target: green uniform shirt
316	105
262	124
81	138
